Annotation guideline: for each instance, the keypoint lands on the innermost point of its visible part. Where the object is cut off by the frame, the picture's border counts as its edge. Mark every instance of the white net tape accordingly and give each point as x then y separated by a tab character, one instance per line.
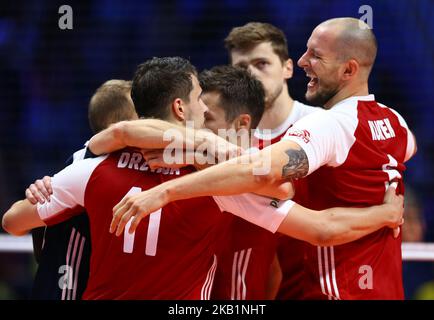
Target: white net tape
411	251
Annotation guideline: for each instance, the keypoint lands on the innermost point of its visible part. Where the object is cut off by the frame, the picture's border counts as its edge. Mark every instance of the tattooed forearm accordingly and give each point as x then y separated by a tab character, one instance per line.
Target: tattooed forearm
297	166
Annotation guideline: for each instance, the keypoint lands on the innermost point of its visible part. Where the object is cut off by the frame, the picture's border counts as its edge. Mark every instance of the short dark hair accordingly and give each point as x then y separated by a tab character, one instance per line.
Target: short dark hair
253	33
157	82
110	103
239	92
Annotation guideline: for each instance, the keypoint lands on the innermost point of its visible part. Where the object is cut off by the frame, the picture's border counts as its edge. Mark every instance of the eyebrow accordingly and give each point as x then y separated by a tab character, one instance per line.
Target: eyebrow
253	60
259	58
241	63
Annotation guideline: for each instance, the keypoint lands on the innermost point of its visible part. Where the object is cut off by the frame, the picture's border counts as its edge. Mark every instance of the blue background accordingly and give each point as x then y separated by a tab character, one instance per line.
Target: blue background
47	75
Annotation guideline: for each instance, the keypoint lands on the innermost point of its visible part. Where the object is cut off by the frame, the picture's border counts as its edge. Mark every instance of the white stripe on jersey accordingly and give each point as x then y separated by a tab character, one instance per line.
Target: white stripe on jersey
68	253
325	269
239	270
77	268
234	277
205	293
243	274
327	275
332	261
240	260
321	277
74	254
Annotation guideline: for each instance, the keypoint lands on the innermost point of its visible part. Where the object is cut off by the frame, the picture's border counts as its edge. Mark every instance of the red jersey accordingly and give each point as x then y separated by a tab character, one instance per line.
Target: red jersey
170	255
244	260
291	265
248	250
354	150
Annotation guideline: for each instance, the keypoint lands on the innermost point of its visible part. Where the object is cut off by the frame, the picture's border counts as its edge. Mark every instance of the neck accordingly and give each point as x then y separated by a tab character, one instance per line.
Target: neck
350	91
277	113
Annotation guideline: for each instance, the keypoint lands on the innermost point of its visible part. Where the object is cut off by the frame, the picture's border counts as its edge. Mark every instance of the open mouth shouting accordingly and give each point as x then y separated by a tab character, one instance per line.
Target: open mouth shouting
313	83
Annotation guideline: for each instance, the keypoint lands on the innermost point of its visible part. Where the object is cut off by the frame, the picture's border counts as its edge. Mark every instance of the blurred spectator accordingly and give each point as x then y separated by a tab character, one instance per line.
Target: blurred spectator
417	275
413	229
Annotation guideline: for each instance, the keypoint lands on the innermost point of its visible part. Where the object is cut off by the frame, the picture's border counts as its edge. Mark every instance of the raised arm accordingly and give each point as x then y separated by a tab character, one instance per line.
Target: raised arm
158	134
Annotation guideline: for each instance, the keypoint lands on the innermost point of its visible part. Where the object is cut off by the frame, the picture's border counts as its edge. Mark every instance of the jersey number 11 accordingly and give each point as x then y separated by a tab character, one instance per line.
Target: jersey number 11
153	229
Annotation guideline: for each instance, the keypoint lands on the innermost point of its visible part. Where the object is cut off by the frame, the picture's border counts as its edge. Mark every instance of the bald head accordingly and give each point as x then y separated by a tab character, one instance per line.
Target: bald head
353	39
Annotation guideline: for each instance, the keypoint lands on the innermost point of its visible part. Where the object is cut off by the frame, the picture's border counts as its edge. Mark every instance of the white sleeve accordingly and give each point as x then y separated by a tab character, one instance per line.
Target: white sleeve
264	212
325	138
69	186
411	141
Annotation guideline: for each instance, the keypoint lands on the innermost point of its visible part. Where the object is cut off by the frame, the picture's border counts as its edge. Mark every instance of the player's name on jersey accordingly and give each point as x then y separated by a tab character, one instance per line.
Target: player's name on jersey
135	161
381	129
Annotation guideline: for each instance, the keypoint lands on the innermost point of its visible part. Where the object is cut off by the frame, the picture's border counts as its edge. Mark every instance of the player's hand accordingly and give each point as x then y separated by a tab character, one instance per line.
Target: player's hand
138	206
395	205
39	191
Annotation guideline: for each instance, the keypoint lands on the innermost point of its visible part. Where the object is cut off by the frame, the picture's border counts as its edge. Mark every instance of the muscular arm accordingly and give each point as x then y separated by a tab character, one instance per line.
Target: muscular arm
21	218
144	133
158	134
248	173
327	227
280	189
336	226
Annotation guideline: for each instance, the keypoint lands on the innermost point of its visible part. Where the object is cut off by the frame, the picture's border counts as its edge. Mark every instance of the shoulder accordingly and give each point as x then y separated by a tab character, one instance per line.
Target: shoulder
401	119
79	170
315	118
305	108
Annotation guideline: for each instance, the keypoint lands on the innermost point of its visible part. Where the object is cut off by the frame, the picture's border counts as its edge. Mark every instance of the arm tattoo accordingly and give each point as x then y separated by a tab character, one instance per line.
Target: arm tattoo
297	166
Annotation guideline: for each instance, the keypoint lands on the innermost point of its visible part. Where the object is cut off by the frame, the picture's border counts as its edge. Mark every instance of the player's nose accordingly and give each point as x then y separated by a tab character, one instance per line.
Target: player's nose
302	62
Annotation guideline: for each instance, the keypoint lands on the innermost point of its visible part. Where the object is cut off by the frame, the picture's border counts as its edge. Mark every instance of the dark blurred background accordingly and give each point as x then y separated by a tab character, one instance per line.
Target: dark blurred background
47	76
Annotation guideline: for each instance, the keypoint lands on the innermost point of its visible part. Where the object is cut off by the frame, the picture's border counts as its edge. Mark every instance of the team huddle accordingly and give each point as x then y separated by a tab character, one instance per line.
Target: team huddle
165	201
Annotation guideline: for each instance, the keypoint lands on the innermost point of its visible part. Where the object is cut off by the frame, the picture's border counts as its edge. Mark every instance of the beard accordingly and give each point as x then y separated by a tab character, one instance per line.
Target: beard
322	95
270	97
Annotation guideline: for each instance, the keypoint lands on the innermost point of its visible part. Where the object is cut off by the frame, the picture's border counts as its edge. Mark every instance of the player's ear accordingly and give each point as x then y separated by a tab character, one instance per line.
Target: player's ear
178	109
351	68
243	121
288	69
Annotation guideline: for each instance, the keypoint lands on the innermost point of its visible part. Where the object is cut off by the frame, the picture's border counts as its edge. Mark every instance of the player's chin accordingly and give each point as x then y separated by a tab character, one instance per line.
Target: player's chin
311	95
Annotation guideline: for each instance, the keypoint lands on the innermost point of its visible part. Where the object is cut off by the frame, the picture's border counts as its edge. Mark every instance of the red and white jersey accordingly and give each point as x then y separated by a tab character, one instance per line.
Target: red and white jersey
248	250
354	150
290	264
171	255
244	257
269	137
244	260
